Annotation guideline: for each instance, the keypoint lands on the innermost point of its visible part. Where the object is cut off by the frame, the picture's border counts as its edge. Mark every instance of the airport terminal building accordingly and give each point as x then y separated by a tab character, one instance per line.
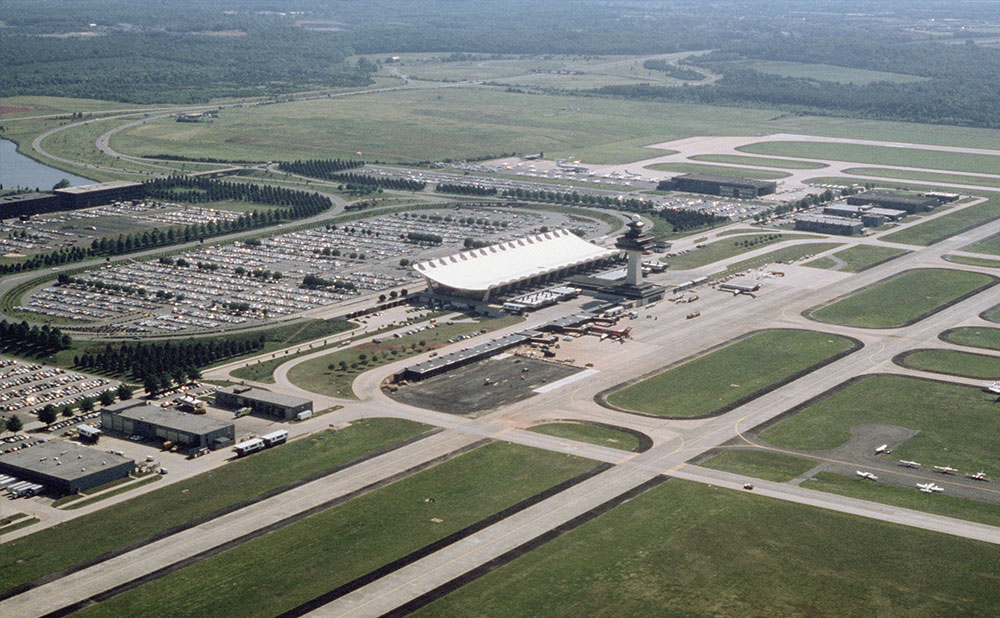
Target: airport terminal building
497	270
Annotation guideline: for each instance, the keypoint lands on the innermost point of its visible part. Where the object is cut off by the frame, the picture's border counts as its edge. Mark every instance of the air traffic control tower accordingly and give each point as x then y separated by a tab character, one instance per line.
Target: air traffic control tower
635	242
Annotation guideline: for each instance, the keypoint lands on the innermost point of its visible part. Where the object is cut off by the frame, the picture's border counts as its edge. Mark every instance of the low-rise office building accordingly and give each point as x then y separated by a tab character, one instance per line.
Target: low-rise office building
185	430
828	225
262	402
899	201
725	186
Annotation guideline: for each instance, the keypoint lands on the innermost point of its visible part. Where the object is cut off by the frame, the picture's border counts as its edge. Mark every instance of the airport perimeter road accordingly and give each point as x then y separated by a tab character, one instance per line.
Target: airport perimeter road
229	528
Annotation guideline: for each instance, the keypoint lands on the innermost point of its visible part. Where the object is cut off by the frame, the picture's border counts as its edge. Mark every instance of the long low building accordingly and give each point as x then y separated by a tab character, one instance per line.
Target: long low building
846	210
828	225
502	268
901	201
725	186
155	423
285	407
65	466
70	198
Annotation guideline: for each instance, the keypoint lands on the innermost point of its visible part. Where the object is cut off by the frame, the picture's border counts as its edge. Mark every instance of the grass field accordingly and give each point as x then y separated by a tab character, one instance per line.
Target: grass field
699	168
335	546
907	497
433	124
723	249
948	225
685	549
924	176
324	374
953	362
975	336
828	72
592	434
989	246
859	257
902	299
785	255
760	161
723	378
879	155
760	464
973	261
55	548
956	422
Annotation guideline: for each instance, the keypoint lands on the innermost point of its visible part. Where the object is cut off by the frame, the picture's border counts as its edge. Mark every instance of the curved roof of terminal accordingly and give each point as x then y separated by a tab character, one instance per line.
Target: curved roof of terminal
513	261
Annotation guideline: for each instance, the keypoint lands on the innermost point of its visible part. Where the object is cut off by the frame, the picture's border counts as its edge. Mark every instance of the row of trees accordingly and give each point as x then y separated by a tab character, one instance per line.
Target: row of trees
35	340
139	361
681	218
313	281
399	184
673	70
319	168
424	237
203	189
465	189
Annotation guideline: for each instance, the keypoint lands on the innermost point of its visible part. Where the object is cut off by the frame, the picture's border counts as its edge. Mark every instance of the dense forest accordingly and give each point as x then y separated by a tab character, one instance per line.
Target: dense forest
146	51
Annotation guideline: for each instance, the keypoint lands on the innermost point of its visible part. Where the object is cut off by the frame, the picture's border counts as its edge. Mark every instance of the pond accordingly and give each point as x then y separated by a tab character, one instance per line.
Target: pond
17	170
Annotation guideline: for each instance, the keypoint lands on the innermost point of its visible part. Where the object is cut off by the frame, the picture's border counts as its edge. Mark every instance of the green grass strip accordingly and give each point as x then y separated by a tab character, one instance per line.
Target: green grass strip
957	423
946	226
687	549
760	463
975	336
91	535
333	547
907	497
108	494
591	434
719	380
952	362
903	299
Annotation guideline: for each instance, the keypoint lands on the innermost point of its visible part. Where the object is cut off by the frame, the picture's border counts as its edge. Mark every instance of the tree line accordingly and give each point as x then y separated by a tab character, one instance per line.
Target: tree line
161	360
319	168
33	340
399	184
465	189
672	70
201	189
681	219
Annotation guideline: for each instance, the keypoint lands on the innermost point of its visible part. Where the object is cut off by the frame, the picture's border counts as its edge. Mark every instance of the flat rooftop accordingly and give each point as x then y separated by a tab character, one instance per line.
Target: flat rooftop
726	180
24	197
265	396
101	186
62	459
172	419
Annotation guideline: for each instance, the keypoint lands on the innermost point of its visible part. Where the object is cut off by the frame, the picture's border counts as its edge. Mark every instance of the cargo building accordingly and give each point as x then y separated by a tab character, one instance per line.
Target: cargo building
900	201
65	467
724	186
155	423
260	401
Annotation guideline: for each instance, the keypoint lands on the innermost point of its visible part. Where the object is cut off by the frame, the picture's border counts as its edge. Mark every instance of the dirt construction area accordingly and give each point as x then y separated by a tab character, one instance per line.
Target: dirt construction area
483	386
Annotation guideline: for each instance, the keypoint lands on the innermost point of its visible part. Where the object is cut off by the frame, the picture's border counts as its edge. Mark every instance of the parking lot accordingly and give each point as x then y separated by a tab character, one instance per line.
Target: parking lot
25	386
58	230
253	281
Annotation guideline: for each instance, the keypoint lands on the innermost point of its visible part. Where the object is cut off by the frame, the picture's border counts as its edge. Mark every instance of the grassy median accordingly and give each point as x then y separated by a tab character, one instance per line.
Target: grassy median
731	375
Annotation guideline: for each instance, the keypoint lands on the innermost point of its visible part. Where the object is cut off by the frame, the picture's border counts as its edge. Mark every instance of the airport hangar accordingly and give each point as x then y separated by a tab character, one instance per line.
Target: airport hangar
65	466
285	407
724	186
483	274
